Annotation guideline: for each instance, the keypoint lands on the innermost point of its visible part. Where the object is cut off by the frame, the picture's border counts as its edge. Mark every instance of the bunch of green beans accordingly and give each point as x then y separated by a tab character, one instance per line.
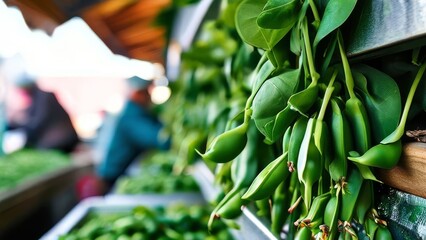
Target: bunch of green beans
300	130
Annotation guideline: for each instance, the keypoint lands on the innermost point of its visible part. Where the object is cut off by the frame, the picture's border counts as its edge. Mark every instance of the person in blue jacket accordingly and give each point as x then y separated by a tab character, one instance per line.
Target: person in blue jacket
136	130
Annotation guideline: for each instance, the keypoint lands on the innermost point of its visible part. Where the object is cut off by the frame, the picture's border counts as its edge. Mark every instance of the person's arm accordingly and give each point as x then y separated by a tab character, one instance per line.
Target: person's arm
145	133
118	156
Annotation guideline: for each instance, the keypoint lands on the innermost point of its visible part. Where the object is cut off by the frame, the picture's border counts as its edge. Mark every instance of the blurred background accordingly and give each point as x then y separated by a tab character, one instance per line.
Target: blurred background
82	51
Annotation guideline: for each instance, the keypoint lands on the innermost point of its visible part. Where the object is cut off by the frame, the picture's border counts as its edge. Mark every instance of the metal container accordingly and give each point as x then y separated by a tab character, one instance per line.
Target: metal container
119	204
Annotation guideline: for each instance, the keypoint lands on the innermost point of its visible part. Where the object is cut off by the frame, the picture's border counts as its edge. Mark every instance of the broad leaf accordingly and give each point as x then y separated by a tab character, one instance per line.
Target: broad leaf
250	32
335	14
270	112
274	94
279	14
381	97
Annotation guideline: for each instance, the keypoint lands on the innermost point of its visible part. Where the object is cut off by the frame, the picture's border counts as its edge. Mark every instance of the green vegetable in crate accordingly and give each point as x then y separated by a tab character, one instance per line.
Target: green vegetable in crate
175	221
28	164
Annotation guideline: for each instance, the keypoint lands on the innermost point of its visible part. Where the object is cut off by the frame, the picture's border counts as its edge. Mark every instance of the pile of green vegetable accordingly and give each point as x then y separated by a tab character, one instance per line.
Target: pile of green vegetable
27	164
293	127
156	176
176	221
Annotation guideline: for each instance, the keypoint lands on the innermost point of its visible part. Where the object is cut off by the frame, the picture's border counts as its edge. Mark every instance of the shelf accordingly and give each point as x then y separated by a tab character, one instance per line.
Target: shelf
386	26
410	173
19	203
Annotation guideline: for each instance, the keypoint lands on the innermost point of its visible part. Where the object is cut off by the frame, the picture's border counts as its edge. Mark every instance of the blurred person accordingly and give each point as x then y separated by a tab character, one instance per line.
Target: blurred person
44	122
136	130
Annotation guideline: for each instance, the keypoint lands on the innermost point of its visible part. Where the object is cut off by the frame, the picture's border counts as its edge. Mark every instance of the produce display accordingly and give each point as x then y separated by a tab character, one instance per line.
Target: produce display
175	221
27	164
270	101
156	176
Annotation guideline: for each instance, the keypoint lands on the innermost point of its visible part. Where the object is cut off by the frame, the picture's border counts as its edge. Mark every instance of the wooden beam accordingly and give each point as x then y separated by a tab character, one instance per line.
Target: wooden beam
410	173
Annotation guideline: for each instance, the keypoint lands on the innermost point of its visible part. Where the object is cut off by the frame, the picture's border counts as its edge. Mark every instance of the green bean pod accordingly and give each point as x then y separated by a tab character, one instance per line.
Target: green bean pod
364	201
282	120
314	218
350	194
370	227
303	101
227	145
231	209
331	213
244	168
383	233
322	138
342	141
280	204
286	139
358	119
296	139
268	179
263	208
303	234
309	163
382	155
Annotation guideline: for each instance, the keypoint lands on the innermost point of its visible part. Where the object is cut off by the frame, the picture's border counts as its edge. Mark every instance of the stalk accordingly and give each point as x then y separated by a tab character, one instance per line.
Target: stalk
314	74
399	131
348	74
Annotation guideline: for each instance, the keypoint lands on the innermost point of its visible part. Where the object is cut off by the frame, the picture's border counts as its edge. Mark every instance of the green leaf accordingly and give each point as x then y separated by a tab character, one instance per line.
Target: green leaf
274	94
270	112
335	14
381	97
279	14
250	32
280	55
296	41
260	76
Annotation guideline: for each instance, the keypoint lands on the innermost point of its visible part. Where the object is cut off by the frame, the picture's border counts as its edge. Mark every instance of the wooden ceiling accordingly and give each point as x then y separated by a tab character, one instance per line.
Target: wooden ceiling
125	26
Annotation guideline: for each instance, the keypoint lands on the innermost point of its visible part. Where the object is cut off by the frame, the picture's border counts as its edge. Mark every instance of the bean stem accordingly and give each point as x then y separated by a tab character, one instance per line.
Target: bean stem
327	96
307	43
315	11
347	69
399	131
